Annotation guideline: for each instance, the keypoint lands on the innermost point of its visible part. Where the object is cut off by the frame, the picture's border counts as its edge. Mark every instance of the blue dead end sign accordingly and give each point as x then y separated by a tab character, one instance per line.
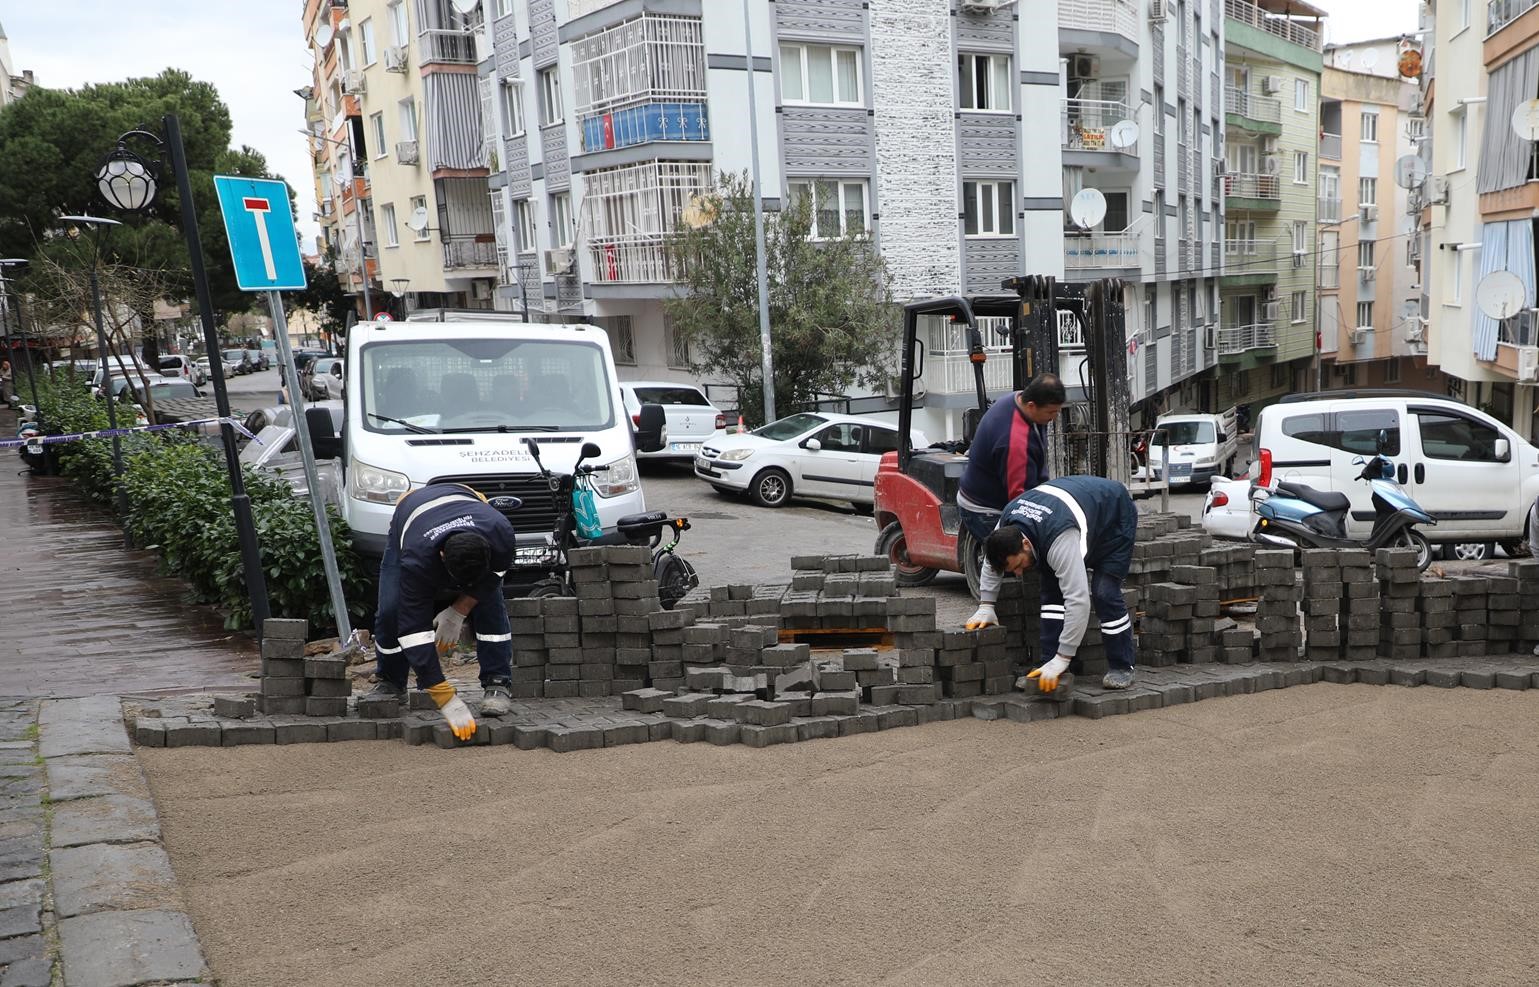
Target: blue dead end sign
260	225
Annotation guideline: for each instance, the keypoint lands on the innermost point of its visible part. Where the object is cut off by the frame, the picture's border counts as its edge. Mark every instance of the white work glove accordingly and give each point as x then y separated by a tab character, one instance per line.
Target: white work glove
461	722
983	617
1047	676
447	628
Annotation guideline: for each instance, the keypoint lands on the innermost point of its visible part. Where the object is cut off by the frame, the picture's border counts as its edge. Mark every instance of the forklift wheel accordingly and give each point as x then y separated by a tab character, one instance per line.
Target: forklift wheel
891	544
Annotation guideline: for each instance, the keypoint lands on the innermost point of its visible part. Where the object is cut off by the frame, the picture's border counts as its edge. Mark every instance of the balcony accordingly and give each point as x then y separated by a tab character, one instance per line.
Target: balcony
1244	258
582	8
1330	147
1087	123
470	251
1328	209
1098	16
1100	251
1500	13
951	371
1262	109
641	258
1236	340
442	45
1245	186
1276	24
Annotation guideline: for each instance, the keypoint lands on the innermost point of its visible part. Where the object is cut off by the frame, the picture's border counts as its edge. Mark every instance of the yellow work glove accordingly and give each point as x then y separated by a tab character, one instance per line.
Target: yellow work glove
1047	676
447	628
983	617
461	723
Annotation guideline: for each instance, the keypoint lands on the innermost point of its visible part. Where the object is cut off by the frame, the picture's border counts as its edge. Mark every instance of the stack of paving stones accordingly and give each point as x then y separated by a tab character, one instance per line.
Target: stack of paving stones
1019	609
1360	591
1324	620
1471	606
283	687
1203	640
1526	572
1235	565
1277	612
1439	621
531	655
1400	630
1504	615
1166	629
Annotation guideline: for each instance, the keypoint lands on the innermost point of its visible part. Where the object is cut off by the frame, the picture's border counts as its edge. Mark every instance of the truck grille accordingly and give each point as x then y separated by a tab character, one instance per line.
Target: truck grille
538	515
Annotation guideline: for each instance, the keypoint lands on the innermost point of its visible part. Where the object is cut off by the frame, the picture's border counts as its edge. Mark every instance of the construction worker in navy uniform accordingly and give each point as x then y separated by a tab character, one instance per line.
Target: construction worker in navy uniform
1078	532
445	538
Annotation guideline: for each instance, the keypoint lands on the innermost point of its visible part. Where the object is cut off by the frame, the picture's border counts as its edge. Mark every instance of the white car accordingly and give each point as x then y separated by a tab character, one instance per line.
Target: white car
690	415
1227	511
822	456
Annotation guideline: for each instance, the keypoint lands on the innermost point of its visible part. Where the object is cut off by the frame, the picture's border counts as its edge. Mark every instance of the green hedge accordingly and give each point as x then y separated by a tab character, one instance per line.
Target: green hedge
178	494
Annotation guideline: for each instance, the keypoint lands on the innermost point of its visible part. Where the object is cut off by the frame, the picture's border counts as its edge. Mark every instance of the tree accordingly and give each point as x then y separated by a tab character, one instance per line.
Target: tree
57	138
833	325
324	296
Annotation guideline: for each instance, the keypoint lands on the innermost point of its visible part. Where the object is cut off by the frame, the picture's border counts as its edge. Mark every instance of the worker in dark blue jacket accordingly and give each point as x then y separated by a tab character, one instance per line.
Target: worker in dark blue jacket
445	538
1008	457
1068	529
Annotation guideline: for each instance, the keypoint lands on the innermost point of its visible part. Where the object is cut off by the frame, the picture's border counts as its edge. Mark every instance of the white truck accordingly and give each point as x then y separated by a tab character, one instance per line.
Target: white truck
1189	449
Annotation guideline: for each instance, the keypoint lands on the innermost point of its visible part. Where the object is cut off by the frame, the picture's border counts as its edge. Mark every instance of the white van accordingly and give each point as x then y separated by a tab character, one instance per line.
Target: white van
1472	473
452	401
1202	446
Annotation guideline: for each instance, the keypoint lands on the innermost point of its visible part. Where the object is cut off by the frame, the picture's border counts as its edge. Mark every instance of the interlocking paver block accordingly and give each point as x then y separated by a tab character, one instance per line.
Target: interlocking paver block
761	713
116	948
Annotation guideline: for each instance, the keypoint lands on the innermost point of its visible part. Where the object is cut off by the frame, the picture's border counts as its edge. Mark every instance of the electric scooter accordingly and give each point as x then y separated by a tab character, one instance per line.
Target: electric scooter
1296	516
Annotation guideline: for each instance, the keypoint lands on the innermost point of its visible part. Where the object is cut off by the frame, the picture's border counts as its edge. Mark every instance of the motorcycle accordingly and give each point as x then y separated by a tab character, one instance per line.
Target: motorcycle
675	576
1296	516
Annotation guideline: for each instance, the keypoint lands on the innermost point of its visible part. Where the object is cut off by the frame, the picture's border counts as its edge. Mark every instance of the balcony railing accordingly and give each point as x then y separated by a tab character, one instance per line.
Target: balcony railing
1087	124
1500	13
441	45
1330	147
635	259
469	252
1120	16
1328	210
1252	186
580	8
1089	251
1253	107
951	371
1275	24
1250	256
1233	340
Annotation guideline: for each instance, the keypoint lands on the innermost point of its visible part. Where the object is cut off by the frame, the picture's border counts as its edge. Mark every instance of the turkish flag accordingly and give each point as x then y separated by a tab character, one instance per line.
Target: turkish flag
609	131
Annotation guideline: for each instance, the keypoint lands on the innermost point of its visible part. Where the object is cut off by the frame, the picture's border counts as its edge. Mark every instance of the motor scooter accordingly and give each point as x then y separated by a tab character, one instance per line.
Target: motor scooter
1296	516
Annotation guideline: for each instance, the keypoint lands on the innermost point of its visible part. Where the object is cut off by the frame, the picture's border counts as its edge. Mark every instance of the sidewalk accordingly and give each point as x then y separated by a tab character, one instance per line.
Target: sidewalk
80	615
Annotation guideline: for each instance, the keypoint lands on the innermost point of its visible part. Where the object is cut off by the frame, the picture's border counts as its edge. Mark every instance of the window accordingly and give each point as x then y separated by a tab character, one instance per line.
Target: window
1300	236
1330	260
1365	254
387	220
1464	14
408	111
679	355
550	97
420	202
843	437
985	82
1364	315
562	234
1279	375
1367	191
1370	127
512	108
1159	108
344	53
622	339
838	208
366	40
880	440
523	218
1449	435
377	125
1301	167
1300	306
819	74
1453	278
1416	128
502	8
1461	138
1301	95
1392	372
1349	431
397	15
988	208
1117	218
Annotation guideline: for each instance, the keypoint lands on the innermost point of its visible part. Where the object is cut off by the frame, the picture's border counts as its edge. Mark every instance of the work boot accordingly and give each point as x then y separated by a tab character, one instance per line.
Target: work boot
386	690
1117	678
496	699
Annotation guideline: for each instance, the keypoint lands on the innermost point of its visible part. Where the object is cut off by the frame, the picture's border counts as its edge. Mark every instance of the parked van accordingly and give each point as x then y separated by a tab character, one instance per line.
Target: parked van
1472	473
452	402
1201	447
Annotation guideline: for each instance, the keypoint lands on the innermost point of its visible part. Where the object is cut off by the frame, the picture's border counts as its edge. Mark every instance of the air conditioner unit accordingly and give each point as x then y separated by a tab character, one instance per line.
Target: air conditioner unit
1415	331
395	59
354	84
1299	259
1359	335
1366	273
1220	167
1157	10
1528	364
326	204
561	261
1269	145
1439	193
1272	84
1367	213
1083	66
1270	311
1271	164
406	152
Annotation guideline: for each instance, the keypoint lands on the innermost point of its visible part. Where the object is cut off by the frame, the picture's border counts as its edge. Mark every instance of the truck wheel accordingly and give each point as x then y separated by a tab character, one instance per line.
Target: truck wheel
771	488
891	543
546	588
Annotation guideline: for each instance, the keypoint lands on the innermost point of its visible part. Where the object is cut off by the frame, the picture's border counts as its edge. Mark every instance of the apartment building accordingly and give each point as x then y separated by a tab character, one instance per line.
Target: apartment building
1371	329
1272	66
14	83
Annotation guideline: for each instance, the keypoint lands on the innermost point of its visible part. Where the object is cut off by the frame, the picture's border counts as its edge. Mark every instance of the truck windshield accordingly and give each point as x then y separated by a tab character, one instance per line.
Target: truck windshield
486	385
1185	433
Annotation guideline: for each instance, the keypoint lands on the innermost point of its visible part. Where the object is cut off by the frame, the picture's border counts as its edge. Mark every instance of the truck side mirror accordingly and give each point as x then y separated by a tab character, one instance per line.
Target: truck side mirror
1222	438
651	428
1503	450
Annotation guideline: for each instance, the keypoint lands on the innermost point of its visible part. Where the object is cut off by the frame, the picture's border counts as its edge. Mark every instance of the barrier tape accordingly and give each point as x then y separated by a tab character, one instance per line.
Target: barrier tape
107	433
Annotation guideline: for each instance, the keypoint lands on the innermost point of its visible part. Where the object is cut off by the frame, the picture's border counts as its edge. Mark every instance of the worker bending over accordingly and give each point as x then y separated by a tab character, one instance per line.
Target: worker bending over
1069	529
445	538
1008	457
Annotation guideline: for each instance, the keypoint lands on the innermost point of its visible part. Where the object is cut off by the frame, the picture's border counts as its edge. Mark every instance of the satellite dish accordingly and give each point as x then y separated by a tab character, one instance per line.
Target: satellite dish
1370	59
1345	57
418	220
323	32
1410	171
1525	120
1500	295
465	6
1088	208
1123	134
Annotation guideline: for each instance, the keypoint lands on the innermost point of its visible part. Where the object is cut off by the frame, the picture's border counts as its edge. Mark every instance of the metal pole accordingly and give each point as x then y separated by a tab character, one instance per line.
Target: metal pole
112	414
240	503
767	365
21	329
363	258
307	456
5	329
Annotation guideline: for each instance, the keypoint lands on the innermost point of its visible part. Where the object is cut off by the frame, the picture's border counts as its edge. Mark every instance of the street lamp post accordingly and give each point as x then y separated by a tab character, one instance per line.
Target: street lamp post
128	182
766	358
100	225
363	247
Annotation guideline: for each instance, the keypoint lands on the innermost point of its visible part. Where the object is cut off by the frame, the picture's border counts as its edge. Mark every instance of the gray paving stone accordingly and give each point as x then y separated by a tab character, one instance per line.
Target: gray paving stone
100	876
124	949
35	972
93	725
21	858
88	775
14	893
104	819
22	948
21	920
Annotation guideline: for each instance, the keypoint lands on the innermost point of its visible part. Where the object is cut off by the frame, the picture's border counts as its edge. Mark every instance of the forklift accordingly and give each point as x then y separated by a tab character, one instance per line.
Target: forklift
915	507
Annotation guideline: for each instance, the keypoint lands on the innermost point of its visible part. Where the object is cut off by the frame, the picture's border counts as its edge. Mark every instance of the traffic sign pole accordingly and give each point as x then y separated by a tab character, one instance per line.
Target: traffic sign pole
307	456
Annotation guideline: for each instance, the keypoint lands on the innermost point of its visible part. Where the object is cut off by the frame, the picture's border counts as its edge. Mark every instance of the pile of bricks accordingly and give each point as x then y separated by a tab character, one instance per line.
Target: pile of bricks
1526	573
1504	615
1400	631
1236	568
1439	621
292	684
1360	594
973	663
1324	619
1277	613
1471	605
1166	628
1019	609
834	592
